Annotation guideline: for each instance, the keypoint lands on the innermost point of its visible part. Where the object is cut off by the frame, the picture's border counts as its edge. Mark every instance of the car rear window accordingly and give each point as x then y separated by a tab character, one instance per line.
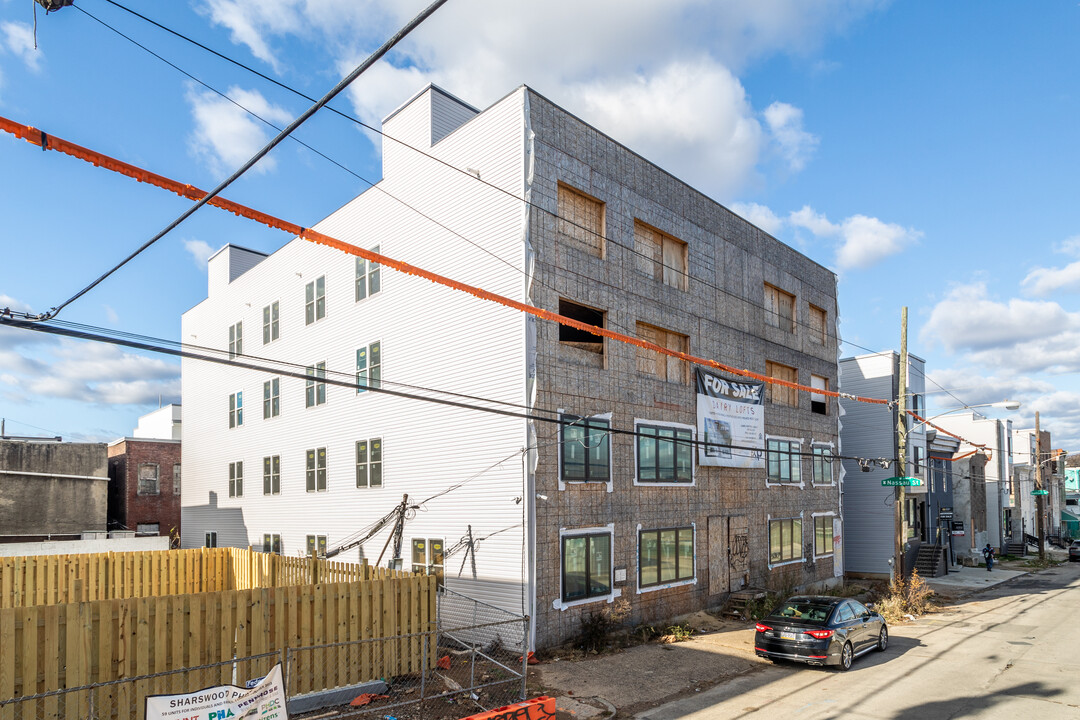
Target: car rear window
808	612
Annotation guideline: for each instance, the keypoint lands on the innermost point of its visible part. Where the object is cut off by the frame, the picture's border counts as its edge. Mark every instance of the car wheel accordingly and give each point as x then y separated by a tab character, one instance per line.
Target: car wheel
883	639
846	656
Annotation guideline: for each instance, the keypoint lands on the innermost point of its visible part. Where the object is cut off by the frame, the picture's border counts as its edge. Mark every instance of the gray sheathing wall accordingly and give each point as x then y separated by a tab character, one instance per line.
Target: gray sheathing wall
726	324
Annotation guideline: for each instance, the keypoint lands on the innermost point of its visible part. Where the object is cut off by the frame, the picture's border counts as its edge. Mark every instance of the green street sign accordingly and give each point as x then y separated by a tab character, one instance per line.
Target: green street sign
901	482
1040	492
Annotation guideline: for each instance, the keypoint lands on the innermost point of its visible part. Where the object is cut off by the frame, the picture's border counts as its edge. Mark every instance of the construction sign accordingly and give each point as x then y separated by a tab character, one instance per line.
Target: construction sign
264	701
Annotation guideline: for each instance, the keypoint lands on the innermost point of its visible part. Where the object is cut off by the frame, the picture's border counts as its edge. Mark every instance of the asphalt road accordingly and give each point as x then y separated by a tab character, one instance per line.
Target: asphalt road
1011	652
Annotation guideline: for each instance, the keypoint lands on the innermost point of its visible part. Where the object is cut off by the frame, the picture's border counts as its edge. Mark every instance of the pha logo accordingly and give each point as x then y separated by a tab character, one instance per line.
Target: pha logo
220	714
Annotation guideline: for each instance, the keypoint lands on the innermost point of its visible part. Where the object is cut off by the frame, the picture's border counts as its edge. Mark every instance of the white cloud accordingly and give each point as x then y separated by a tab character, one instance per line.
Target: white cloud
866	241
786	125
225	136
1069	246
1046	281
661	77
87	372
967	319
709	131
8	302
19	40
807	217
200	251
862	241
759	215
112	315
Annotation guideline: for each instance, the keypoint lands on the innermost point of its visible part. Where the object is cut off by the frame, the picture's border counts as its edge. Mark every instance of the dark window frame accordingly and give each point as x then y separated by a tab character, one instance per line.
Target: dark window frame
826	545
236	479
590	425
589	595
682	439
679	576
271	317
315	462
822	461
272	475
369	367
369	462
790	455
271	398
368	277
788	523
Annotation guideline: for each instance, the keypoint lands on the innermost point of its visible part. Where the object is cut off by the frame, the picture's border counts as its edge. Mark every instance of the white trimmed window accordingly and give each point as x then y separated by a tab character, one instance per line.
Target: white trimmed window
823	465
586	566
823	535
369	463
315	469
270	323
368	281
236	409
428	558
316	545
271	398
664	454
236	340
315	385
315	300
785	540
272	543
586	449
272	475
369	367
782	461
236	479
665	556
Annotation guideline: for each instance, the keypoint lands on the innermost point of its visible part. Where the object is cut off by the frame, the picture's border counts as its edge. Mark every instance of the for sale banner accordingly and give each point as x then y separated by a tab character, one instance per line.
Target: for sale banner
264	701
731	421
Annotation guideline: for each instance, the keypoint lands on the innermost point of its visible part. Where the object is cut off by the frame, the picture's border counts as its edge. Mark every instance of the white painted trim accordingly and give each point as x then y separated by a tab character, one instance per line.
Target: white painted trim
558	603
693	453
675	583
802	483
831	446
768	534
610	482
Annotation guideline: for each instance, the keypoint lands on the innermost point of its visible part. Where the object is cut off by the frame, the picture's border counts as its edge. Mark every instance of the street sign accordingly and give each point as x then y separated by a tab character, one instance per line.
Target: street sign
1040	492
957	527
901	482
944	516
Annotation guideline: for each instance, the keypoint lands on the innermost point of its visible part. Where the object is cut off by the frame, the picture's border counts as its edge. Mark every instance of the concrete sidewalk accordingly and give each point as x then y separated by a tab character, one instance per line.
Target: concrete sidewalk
964	580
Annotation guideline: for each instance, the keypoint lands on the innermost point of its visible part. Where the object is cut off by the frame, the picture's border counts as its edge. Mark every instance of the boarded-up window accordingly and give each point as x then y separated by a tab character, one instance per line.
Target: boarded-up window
665	367
817	324
148	479
660	256
581	219
779	308
780	394
819	403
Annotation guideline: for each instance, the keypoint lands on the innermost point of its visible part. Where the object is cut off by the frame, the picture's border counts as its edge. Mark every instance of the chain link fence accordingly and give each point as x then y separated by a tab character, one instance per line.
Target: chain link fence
472	659
124	699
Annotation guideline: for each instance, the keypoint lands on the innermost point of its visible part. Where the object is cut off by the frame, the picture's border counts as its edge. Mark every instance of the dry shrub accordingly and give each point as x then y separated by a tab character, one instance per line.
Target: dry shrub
906	597
596	626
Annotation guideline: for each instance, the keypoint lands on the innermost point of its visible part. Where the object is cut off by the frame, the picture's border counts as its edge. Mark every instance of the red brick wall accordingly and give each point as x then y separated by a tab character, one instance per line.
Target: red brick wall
126	505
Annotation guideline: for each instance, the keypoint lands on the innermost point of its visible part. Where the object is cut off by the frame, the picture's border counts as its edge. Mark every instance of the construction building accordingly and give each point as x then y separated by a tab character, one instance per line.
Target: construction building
548	470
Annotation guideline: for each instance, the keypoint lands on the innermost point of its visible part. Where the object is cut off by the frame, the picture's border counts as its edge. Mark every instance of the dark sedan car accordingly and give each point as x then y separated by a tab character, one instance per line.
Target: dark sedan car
1074	551
820	630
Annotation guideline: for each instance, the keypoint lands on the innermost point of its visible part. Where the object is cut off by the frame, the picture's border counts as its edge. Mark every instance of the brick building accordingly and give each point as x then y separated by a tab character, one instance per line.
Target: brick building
144	486
594	483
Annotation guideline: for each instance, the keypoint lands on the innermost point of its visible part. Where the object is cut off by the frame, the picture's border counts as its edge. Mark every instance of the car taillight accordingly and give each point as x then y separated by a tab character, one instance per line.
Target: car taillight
762	628
820	634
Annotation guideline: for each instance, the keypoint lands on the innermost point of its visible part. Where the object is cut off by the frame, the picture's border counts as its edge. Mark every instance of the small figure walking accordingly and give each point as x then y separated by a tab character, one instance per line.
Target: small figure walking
988	553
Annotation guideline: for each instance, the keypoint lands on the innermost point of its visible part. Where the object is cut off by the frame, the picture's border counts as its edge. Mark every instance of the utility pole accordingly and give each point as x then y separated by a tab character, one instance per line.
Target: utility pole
901	448
1039	504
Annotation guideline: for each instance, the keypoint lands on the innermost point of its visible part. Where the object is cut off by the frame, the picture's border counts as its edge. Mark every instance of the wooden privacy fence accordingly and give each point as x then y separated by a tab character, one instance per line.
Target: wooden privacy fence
58	579
52	647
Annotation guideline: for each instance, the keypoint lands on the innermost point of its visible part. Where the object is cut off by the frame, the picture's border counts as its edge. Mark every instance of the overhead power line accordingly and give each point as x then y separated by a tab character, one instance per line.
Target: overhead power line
561	420
463	171
274	142
38	137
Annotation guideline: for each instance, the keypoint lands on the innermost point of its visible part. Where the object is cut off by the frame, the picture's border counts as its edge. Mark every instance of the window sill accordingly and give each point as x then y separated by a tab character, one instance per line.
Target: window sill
667	585
786	562
771	483
560	604
665	483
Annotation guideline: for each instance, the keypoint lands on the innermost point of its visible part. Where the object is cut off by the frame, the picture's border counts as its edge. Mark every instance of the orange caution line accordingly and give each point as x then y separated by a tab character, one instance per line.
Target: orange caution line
49	142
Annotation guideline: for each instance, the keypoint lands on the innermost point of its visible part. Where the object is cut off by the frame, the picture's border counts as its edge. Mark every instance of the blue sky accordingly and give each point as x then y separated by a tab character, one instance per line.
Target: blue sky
924	151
